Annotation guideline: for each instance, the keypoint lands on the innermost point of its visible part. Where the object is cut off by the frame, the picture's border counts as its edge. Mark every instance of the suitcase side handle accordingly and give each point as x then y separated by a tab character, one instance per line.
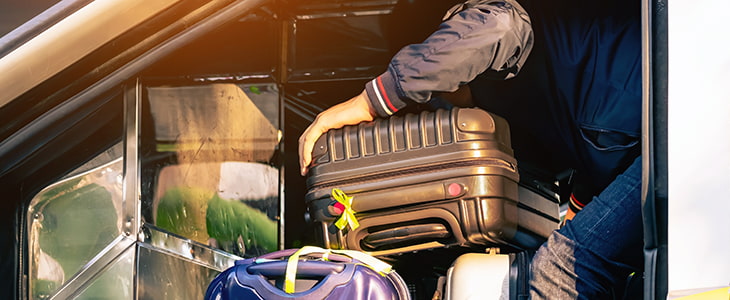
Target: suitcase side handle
408	234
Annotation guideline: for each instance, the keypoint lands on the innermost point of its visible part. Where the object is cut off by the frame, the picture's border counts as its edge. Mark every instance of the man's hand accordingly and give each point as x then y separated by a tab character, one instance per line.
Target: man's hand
350	112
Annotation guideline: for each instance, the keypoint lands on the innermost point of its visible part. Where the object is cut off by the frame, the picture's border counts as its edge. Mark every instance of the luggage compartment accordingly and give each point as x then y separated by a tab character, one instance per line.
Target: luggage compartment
428	180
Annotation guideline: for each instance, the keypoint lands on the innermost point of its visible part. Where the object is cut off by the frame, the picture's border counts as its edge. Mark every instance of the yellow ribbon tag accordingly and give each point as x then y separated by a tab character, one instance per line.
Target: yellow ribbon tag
348	215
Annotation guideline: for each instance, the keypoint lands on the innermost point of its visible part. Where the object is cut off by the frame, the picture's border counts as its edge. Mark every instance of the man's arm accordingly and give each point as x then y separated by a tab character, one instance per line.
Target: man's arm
484	36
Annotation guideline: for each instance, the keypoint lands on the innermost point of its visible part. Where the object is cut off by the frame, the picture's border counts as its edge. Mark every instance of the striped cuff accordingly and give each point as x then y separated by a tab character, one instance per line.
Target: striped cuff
383	96
574	204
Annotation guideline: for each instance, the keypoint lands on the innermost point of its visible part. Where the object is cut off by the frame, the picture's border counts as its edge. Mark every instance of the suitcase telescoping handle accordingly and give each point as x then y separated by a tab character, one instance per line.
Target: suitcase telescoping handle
254	281
272	265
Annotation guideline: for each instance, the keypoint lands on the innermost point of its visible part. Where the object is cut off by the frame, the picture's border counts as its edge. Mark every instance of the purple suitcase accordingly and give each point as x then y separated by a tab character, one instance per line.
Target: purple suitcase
428	180
319	275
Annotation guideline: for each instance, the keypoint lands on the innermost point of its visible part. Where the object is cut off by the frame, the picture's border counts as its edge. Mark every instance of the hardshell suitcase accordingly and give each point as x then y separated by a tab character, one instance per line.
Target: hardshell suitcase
488	276
309	273
427	180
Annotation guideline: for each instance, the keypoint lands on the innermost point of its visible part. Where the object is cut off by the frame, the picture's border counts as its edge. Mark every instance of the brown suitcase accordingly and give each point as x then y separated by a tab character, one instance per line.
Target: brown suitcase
428	180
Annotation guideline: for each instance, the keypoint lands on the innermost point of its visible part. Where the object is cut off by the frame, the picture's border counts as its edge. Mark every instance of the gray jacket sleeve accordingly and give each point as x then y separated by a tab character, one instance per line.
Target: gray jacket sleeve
479	36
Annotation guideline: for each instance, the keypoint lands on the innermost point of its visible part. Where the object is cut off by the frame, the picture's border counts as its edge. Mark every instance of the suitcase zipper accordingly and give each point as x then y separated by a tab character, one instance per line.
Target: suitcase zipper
425	169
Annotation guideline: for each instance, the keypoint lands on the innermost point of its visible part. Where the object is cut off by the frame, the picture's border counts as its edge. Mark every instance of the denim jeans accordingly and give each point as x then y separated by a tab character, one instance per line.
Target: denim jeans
593	254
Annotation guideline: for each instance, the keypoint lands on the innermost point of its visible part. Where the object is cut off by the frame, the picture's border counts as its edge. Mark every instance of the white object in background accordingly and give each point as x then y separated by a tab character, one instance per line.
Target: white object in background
478	276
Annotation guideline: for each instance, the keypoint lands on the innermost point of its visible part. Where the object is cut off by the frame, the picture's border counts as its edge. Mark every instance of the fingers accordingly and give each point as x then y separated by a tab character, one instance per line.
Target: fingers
306	144
305	156
350	112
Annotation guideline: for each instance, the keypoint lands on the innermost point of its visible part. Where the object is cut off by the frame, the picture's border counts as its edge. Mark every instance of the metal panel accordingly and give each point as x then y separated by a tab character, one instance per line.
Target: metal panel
165	276
654	147
155	238
132	103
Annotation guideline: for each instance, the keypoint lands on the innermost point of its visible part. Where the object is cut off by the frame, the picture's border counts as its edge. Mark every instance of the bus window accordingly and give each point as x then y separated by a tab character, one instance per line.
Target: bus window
72	221
209	159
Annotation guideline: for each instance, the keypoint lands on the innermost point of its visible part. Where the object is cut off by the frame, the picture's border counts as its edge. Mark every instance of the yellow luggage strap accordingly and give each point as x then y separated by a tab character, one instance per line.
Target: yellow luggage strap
348	215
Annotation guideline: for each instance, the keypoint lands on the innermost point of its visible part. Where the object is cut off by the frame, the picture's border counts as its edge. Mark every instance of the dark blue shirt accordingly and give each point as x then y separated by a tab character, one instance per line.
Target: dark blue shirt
565	74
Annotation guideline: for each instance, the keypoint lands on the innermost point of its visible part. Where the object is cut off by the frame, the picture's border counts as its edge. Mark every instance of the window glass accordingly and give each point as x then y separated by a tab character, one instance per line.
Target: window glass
115	282
210	164
71	222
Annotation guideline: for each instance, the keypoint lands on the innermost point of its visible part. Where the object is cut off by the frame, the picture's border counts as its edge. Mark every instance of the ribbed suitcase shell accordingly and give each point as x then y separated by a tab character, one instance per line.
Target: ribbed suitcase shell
425	180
